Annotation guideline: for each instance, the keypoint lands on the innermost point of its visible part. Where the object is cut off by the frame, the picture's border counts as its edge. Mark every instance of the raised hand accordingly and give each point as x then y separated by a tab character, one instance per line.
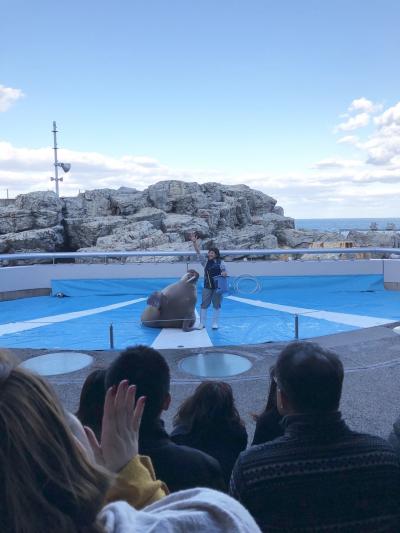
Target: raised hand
120	427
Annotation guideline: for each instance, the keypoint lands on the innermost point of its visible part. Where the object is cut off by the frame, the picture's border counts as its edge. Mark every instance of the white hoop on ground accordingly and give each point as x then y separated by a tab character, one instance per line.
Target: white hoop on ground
244	277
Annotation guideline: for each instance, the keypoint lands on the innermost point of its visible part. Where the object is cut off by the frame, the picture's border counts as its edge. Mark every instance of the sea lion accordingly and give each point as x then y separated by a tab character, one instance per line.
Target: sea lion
174	306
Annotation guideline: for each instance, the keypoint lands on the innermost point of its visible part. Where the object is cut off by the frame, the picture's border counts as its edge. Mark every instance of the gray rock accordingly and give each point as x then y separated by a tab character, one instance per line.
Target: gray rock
150	214
293	238
36	240
134	236
186	224
95	203
176	196
390	239
84	232
34	210
274	222
127	201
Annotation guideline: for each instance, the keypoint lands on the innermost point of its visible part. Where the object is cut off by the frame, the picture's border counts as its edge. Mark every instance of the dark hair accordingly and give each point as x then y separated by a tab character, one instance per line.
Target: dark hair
310	376
215	250
211	406
46	481
147	369
91	402
271	399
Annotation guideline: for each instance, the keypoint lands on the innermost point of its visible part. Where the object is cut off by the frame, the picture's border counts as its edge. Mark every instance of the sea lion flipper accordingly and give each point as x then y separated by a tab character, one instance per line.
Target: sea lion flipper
188	324
155	299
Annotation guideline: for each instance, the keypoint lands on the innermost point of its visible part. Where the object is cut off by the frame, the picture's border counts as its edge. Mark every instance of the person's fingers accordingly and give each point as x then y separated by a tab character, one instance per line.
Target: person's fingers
138	413
130	405
120	405
108	422
94	444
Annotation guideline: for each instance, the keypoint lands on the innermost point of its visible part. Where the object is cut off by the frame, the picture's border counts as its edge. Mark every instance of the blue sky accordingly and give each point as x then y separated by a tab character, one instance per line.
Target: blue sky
299	99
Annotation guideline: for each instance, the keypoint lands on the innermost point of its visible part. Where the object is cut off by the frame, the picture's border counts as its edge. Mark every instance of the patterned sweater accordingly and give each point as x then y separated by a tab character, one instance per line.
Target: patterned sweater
320	476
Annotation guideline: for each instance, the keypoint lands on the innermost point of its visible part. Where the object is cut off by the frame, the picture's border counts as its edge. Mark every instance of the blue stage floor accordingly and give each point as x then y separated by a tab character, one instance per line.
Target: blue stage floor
324	305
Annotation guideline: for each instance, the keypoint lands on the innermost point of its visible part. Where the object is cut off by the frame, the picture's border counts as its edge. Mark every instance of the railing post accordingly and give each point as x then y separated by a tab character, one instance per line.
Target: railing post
111	337
296	327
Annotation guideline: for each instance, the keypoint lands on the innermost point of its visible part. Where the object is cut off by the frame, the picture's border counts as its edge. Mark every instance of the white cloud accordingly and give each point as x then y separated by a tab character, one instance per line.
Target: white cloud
389	117
348	139
364	185
358	121
337	163
363	104
8	96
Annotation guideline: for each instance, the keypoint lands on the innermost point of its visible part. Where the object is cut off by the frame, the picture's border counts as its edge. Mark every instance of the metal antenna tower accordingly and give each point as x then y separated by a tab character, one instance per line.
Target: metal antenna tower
65	166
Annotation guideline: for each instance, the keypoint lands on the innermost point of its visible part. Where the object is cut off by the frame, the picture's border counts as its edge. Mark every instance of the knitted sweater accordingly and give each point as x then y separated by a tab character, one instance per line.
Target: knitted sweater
320	476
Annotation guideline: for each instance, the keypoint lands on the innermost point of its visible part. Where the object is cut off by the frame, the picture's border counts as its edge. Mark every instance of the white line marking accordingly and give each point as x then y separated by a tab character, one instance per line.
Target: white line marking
341	318
15	327
176	338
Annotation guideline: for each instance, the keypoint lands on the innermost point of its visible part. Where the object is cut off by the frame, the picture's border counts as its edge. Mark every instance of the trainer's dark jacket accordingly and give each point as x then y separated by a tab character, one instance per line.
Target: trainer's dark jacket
212	268
320	476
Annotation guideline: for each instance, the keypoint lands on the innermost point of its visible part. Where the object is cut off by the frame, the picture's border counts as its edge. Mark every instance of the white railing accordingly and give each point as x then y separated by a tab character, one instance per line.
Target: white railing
261	252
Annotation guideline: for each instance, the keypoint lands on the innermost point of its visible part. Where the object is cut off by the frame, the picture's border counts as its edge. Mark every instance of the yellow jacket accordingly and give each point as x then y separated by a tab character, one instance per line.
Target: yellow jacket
136	484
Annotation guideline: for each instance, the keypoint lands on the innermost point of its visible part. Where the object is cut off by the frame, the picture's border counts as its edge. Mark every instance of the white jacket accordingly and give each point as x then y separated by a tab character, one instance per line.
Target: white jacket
194	510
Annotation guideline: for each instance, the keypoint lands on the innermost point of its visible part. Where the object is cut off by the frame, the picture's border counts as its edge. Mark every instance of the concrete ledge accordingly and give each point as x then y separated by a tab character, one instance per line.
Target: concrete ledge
25	293
392	285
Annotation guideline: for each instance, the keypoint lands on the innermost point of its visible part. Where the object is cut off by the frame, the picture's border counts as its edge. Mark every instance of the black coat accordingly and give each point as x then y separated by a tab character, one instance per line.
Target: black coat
180	467
268	427
224	444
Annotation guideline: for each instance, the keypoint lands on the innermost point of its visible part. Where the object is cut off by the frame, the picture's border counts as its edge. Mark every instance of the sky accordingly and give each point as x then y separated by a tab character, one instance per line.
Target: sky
297	98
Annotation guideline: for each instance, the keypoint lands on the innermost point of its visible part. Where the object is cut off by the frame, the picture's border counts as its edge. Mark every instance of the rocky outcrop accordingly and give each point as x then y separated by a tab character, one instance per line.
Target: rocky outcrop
386	239
31	211
160	218
293	238
37	240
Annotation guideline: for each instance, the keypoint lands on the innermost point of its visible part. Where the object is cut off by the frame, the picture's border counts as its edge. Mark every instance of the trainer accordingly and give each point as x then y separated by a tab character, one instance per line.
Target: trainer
213	266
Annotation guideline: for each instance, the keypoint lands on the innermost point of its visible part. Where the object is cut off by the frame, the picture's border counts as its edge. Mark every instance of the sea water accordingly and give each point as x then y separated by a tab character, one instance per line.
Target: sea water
346	224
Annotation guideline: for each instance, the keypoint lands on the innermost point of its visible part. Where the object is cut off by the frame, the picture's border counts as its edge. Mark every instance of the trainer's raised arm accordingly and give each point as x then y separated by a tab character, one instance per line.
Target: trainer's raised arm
193	238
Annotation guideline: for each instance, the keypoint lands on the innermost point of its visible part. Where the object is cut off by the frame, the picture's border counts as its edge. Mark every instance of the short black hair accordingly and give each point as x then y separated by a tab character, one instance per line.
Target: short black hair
148	370
91	402
310	376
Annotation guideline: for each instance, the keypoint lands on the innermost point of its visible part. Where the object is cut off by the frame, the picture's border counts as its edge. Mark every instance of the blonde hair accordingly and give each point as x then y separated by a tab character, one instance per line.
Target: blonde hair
46	482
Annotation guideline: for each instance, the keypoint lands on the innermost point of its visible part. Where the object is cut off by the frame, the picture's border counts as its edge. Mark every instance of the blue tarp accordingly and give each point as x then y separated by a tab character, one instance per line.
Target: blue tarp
240	323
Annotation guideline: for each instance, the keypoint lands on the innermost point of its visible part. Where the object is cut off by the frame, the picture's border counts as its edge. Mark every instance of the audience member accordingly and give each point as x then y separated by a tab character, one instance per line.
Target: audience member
135	483
268	423
394	437
49	483
180	467
91	402
319	476
209	421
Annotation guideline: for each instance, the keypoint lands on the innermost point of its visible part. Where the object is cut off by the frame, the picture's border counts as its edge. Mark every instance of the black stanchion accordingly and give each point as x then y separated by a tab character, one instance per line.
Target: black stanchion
111	337
296	326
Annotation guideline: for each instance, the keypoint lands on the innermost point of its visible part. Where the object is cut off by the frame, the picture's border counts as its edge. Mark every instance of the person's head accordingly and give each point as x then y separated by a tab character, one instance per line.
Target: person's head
213	253
91	402
147	369
47	482
309	379
211	405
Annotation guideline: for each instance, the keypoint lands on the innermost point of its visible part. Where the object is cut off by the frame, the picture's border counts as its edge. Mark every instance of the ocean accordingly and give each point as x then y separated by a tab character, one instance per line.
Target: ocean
346	224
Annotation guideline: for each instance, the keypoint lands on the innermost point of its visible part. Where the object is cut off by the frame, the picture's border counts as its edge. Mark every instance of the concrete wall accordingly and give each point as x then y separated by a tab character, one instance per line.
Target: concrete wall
391	273
26	278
